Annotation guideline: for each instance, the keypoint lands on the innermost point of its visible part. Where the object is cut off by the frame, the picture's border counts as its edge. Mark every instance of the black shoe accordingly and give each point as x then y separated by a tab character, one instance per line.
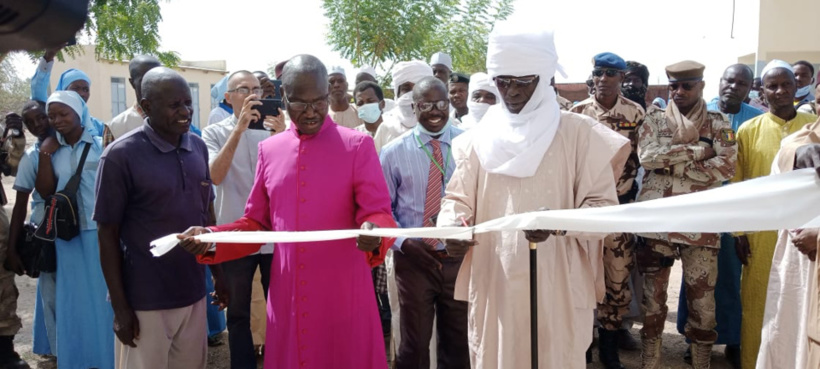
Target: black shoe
687	356
626	341
608	349
15	364
214	341
732	353
8	358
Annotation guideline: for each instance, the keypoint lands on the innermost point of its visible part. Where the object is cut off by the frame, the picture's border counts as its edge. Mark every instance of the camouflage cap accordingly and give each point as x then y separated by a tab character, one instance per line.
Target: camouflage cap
687	70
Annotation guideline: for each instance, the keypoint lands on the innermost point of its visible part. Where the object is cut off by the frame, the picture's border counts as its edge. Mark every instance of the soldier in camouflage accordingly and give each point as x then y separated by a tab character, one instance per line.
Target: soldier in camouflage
683	149
608	107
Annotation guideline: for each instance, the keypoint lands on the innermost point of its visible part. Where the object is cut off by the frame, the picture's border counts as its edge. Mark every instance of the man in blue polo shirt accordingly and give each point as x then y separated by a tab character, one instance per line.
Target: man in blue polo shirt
151	182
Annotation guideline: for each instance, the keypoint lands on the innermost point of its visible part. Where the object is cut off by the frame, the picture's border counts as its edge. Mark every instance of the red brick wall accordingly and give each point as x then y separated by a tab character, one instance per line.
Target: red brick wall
578	92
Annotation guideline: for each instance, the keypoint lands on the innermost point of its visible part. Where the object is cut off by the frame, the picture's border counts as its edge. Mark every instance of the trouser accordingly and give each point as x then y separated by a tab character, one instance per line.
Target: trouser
216	318
169	339
238	275
426	294
619	260
10	323
699	275
383	301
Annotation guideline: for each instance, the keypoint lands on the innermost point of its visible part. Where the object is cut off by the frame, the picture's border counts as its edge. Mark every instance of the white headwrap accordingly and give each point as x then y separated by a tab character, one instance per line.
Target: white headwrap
336	70
443	59
75	102
776	63
410	71
368	70
515	144
479	81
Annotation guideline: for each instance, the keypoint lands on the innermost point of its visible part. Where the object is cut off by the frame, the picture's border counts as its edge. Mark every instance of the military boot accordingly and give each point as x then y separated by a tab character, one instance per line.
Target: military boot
701	355
608	349
8	358
651	353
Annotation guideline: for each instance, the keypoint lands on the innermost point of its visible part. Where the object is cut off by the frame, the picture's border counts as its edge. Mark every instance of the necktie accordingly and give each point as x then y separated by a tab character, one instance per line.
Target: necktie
432	203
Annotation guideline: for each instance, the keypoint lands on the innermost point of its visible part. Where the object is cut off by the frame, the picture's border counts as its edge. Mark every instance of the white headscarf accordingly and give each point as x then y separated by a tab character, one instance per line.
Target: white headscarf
368	70
515	144
776	63
75	102
480	81
410	71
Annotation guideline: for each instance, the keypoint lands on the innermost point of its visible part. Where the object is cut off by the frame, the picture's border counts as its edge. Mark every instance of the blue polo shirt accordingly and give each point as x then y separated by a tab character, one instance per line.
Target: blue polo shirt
151	188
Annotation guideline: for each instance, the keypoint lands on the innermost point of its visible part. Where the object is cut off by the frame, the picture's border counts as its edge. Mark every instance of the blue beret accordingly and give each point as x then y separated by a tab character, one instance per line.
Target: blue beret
608	60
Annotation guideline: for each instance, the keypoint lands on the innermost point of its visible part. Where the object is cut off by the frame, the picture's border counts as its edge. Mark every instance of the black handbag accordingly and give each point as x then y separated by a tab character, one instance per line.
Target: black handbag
37	255
62	217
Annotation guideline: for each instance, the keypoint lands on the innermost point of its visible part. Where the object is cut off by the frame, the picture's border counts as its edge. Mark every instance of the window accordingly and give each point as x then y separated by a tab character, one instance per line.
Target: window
195	103
117	96
214	101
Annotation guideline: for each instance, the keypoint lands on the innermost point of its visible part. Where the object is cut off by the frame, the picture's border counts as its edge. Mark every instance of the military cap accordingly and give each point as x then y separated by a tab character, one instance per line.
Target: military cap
608	60
686	70
459	78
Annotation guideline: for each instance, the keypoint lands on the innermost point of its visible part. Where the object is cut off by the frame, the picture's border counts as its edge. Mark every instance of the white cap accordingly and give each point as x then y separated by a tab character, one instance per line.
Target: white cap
369	70
776	63
336	70
442	58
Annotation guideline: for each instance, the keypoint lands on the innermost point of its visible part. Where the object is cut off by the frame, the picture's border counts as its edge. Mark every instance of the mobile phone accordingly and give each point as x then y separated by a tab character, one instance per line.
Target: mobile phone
269	107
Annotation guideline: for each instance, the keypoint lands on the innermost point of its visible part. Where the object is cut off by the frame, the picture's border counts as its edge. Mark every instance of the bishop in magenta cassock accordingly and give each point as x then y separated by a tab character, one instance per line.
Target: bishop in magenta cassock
322	311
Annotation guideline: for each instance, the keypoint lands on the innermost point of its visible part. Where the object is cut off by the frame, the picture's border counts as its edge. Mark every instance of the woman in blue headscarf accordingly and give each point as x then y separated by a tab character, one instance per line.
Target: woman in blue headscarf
85	335
71	80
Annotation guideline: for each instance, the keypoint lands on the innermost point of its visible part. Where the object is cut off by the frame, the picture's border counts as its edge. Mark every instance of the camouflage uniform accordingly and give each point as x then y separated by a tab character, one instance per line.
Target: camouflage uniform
563	103
10	323
619	260
675	169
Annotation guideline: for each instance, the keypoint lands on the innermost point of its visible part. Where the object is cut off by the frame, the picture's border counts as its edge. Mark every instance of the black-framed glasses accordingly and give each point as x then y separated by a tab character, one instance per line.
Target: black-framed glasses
246	91
520	82
688	86
599	72
441	105
317	105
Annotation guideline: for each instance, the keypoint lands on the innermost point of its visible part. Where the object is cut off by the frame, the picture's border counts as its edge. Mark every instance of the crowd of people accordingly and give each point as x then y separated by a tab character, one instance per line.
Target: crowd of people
452	149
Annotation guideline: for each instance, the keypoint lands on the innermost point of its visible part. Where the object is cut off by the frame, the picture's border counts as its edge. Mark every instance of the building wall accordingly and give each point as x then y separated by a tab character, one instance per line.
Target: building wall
101	72
787	30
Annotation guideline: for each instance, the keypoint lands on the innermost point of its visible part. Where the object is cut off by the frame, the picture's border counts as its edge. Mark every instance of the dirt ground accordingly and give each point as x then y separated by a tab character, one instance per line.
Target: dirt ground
219	357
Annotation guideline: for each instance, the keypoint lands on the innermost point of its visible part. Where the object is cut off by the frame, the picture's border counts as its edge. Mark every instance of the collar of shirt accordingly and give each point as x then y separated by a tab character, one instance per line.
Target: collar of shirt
781	121
325	126
138	109
86	137
425	138
226	107
161	144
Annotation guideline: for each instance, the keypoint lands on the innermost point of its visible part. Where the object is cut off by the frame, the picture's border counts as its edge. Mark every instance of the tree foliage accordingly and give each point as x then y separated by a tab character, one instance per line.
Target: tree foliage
382	32
14	92
123	28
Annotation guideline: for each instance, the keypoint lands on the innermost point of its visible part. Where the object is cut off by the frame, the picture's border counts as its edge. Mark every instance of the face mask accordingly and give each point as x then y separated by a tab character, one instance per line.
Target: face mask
405	109
425	131
477	109
635	94
370	113
803	91
754	95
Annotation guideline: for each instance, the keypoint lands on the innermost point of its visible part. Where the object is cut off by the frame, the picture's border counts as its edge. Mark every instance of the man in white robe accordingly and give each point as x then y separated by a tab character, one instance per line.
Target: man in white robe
525	156
401	118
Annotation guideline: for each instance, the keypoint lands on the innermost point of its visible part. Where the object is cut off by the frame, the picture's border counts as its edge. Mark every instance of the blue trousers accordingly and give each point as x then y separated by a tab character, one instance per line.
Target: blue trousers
239	277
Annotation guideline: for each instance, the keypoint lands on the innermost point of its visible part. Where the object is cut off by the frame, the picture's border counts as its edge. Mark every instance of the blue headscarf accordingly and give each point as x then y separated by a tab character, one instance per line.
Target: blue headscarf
660	102
219	89
70	76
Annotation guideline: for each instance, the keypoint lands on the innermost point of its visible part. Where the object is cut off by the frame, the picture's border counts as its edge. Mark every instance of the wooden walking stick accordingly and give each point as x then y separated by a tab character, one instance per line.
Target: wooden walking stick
534	304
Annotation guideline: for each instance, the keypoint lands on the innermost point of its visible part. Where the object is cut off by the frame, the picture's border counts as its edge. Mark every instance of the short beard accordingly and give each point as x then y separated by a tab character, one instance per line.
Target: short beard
638	95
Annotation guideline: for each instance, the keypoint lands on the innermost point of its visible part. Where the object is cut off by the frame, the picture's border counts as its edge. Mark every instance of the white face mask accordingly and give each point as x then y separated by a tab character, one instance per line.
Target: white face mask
803	91
405	110
370	113
753	95
477	109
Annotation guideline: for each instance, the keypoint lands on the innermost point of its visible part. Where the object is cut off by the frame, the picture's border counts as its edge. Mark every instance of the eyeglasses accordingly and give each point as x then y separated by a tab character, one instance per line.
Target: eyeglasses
317	105
688	86
520	82
246	91
598	72
441	105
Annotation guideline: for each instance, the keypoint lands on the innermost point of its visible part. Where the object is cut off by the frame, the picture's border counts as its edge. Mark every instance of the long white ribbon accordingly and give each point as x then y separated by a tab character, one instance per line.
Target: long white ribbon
785	201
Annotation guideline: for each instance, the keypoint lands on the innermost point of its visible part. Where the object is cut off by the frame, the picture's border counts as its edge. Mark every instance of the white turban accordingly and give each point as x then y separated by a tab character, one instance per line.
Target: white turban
776	63
410	71
477	110
481	81
514	144
368	70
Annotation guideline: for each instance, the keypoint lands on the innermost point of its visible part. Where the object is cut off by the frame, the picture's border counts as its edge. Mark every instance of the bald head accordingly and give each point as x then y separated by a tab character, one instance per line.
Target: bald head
301	66
137	68
742	70
236	77
158	79
427	84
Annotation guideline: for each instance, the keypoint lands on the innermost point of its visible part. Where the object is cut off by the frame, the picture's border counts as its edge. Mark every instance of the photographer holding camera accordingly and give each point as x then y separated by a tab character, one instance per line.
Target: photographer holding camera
233	154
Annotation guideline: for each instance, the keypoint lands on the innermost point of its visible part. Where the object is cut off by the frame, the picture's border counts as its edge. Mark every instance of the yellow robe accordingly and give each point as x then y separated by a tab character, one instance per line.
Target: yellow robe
758	143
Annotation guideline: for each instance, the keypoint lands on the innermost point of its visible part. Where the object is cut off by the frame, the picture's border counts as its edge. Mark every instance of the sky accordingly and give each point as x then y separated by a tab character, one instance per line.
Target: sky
254	34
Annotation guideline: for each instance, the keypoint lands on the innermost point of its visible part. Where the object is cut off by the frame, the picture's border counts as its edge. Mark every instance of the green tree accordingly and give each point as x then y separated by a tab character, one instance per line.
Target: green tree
123	28
382	32
14	92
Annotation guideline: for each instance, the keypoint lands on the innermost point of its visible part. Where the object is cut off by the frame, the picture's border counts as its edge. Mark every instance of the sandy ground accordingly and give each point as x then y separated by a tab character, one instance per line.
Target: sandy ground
218	357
